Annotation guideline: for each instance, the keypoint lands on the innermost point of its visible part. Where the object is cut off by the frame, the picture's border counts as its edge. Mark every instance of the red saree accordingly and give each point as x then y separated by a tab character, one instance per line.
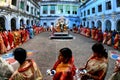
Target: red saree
2	45
104	37
6	42
88	32
116	41
93	33
109	39
11	39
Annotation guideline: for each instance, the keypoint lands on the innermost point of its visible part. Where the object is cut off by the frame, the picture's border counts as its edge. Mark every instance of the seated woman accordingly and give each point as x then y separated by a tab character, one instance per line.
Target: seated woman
96	66
116	41
65	68
116	73
28	69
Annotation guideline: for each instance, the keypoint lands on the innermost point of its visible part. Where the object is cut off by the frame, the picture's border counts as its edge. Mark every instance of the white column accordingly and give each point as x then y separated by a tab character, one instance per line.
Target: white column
48	9
71	9
41	10
113	27
8	23
64	9
103	7
103	25
56	9
25	21
113	5
90	24
30	23
18	23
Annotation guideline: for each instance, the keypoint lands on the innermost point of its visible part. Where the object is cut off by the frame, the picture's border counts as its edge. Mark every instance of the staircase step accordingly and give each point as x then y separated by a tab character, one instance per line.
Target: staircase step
62	37
61	34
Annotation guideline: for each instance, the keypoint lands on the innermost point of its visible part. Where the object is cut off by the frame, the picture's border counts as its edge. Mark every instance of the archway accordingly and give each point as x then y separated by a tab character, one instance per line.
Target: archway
99	24
21	22
88	24
2	23
118	26
108	25
13	24
31	22
28	23
93	24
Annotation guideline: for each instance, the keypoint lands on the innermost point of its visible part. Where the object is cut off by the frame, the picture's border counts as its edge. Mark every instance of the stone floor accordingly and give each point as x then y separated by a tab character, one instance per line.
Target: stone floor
46	51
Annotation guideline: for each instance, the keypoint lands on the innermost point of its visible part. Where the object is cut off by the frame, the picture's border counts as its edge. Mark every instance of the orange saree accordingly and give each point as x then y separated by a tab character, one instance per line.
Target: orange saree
28	71
64	71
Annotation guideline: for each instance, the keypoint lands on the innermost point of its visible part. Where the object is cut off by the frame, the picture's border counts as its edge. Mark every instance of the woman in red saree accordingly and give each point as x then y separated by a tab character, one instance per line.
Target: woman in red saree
28	69
2	45
96	34
93	33
26	35
11	39
5	38
96	66
100	36
65	68
22	32
85	30
88	32
104	37
116	41
109	38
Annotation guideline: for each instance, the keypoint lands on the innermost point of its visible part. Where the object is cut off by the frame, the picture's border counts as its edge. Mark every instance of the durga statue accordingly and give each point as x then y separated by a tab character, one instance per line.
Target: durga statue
61	24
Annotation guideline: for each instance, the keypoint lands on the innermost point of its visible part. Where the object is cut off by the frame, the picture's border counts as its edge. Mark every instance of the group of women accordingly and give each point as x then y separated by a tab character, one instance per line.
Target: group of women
110	38
11	39
94	69
64	68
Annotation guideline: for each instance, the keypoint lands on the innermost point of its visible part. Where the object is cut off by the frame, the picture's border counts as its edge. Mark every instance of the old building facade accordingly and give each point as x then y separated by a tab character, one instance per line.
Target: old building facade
16	13
101	13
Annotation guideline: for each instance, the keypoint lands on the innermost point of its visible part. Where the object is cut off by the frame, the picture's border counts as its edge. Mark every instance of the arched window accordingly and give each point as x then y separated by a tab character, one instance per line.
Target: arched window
14	2
118	26
13	24
93	24
28	23
99	24
118	3
21	22
108	25
2	23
